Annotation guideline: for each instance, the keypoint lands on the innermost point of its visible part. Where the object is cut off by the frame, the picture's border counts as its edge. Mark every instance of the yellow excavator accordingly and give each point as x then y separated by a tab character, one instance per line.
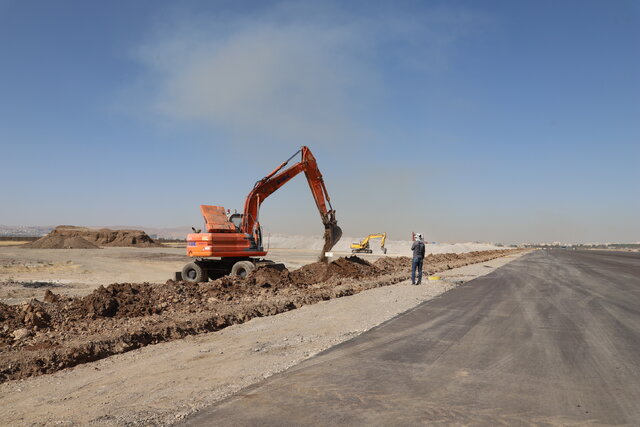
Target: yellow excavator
364	247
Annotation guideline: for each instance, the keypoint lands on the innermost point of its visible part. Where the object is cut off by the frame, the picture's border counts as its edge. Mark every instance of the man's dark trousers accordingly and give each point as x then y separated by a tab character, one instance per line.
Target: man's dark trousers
416	264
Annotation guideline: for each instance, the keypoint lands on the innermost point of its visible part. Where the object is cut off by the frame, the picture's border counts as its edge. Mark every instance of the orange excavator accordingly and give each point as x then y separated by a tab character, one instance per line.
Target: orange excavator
232	243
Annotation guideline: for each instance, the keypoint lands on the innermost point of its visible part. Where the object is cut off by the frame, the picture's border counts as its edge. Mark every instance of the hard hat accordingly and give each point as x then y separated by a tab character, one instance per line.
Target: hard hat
418	236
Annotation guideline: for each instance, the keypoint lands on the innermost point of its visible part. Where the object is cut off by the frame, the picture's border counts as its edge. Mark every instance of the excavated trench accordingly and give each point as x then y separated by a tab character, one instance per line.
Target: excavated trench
59	332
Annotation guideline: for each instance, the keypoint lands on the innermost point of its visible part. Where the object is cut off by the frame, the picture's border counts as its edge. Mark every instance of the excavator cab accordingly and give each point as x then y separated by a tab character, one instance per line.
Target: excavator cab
236	219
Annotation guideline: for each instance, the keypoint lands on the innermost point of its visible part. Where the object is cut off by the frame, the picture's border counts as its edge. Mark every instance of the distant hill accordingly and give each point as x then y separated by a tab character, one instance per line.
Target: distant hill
37	231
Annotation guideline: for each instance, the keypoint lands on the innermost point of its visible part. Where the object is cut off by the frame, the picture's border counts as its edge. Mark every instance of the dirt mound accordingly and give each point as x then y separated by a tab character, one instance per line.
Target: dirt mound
43	337
389	264
11	321
349	267
21	321
70	237
61	242
352	266
270	276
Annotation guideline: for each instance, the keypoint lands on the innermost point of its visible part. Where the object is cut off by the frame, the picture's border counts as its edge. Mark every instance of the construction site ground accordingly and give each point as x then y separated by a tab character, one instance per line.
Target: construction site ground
162	383
25	273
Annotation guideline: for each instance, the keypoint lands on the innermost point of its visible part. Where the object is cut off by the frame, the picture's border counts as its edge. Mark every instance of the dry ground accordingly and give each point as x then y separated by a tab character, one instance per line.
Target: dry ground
12	242
77	272
160	384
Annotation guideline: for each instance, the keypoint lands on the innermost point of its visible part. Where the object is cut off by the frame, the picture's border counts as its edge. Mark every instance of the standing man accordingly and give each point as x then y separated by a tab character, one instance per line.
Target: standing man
418	257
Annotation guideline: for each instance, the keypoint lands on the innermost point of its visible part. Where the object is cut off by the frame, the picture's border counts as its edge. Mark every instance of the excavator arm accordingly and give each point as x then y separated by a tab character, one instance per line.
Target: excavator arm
279	177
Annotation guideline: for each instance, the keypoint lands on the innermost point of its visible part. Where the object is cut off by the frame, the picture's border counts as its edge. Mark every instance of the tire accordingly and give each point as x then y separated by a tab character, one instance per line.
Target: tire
193	272
242	269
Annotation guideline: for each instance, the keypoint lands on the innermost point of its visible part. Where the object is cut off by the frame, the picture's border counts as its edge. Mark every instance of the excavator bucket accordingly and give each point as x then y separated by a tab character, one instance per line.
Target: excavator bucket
332	233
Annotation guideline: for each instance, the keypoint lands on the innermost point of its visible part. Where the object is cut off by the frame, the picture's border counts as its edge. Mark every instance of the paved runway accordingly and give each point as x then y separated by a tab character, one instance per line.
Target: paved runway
551	338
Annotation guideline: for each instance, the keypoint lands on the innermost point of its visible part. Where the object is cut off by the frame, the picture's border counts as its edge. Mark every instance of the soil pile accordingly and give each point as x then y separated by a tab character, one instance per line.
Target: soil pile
71	237
43	337
352	266
9	319
394	264
61	242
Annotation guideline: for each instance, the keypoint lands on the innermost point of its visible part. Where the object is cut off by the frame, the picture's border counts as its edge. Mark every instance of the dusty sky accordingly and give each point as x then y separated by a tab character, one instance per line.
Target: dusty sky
489	121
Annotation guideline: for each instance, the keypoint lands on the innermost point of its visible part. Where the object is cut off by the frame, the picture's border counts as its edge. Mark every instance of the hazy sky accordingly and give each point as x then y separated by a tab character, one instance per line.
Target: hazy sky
495	120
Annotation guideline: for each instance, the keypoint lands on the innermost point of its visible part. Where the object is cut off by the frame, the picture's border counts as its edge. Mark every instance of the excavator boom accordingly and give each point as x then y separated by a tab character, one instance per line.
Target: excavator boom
279	177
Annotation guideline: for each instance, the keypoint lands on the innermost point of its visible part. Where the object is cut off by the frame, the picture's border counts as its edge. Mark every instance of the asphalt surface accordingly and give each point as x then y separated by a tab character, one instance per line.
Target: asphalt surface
551	338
